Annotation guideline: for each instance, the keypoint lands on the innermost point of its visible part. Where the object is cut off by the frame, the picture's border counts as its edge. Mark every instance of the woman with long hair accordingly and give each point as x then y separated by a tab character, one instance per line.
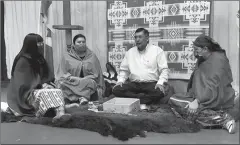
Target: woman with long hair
210	96
29	92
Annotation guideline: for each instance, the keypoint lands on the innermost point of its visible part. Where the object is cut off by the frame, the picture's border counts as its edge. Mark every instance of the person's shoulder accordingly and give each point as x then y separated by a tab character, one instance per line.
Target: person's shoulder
155	48
93	54
219	56
24	60
132	49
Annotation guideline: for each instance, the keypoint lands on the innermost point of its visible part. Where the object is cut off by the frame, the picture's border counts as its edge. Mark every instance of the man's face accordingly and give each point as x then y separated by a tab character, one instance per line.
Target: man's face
141	40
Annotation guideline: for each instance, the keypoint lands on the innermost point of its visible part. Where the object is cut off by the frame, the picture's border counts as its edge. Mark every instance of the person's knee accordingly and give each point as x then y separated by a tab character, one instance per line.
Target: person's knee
161	94
89	83
157	93
165	100
117	90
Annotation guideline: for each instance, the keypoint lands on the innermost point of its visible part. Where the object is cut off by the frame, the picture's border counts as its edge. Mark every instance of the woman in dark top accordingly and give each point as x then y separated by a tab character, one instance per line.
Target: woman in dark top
28	92
210	95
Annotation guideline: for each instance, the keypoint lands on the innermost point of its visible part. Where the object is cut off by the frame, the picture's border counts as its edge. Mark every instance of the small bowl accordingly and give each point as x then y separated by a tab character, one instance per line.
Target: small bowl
144	107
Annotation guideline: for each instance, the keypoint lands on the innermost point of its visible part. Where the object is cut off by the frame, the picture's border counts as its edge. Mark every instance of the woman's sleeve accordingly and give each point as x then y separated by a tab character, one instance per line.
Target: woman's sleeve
93	69
23	81
50	77
207	84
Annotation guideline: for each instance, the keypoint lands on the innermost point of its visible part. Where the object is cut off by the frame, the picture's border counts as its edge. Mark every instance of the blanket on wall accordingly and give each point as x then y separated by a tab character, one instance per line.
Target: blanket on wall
172	24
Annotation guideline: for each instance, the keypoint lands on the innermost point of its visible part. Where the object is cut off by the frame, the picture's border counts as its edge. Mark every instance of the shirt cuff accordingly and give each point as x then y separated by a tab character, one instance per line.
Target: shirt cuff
160	82
66	75
122	80
197	101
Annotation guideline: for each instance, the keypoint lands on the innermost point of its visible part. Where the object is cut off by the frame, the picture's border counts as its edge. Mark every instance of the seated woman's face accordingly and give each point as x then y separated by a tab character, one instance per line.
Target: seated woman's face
80	44
198	51
40	47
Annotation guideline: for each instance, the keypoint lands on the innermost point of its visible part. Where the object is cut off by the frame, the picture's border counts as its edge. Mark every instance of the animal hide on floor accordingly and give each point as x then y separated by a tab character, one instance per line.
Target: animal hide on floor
122	126
7	117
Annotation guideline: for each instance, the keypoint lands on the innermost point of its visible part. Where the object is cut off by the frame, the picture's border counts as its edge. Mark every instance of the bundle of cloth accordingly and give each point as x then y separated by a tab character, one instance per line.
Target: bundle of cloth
110	79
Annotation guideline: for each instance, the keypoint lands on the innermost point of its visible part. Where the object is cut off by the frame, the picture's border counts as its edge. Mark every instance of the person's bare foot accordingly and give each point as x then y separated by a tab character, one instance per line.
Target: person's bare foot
61	118
73	105
83	101
230	126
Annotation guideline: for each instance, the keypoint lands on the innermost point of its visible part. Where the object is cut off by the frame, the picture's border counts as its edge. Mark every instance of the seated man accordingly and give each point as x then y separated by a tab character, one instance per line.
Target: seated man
146	67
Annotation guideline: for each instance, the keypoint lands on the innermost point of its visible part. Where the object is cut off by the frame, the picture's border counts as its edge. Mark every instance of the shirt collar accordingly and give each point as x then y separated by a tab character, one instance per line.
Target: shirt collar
142	52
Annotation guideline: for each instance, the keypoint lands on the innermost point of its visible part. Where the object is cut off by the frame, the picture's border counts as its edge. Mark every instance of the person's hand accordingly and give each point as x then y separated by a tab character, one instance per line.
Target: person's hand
105	74
47	86
73	78
66	75
193	106
161	87
118	84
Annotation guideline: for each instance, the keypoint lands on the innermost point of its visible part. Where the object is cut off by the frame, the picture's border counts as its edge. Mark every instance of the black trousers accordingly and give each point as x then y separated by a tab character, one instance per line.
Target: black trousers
145	91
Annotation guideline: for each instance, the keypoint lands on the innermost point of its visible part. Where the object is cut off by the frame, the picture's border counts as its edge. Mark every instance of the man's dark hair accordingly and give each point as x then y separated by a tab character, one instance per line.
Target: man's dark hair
78	36
145	31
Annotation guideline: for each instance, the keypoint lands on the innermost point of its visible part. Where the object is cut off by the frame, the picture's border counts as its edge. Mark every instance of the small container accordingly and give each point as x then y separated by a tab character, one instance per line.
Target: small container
96	103
144	107
100	107
90	105
121	105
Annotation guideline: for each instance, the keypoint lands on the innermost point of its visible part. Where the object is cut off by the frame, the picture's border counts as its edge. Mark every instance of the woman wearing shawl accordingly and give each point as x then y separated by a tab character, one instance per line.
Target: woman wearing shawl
83	79
28	92
210	95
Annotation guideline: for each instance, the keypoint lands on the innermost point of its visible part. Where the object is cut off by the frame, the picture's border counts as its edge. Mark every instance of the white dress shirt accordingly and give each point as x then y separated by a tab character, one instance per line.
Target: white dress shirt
149	65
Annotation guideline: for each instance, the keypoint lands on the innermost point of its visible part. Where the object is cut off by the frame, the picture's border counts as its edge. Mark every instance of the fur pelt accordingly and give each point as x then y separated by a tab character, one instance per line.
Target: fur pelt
161	119
9	117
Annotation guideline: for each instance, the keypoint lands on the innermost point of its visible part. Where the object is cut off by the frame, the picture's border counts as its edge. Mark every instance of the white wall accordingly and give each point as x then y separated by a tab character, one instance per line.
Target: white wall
226	32
21	18
92	16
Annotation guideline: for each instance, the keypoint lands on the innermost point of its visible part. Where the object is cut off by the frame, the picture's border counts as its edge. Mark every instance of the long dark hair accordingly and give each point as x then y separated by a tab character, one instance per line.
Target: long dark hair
35	58
206	41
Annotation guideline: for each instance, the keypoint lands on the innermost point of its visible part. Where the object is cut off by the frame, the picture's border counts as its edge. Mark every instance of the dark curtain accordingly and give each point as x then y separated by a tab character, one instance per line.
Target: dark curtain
3	47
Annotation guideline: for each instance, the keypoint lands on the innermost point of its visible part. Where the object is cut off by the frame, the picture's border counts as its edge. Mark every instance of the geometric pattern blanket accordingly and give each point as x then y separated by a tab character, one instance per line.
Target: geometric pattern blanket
160	119
172	25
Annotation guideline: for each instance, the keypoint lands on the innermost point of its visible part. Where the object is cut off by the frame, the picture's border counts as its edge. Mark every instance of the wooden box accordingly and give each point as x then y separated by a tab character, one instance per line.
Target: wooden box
121	105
